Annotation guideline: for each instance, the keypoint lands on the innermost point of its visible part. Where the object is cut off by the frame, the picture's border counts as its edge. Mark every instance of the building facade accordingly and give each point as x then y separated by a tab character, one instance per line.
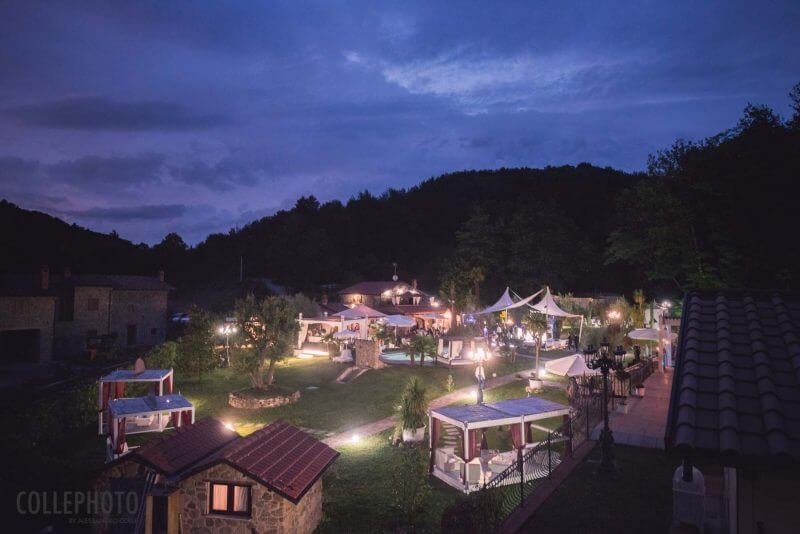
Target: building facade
48	317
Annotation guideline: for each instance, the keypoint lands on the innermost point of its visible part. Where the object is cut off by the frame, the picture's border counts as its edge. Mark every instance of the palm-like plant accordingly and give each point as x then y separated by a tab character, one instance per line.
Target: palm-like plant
422	346
413	405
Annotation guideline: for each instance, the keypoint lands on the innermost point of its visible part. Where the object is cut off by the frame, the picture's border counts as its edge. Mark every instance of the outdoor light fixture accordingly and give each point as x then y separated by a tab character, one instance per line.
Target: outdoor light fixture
355	438
480	355
227	329
605	362
228	425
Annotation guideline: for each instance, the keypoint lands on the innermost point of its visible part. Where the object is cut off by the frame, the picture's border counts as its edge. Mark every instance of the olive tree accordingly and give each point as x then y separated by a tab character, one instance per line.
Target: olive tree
268	328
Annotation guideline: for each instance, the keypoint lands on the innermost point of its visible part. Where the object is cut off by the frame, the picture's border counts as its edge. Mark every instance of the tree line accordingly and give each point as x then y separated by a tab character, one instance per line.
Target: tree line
712	213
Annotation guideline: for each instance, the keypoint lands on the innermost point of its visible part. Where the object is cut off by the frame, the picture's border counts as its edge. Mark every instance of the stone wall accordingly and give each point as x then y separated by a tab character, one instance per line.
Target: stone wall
30	313
367	354
70	336
239	399
147	310
271	513
115	311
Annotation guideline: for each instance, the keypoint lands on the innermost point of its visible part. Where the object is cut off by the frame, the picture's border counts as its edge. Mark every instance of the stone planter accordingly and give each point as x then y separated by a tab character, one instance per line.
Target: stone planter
623	408
411	435
639	392
240	399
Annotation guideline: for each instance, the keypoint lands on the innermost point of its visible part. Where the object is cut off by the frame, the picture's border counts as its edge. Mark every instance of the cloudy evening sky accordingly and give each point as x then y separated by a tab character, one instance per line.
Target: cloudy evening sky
149	117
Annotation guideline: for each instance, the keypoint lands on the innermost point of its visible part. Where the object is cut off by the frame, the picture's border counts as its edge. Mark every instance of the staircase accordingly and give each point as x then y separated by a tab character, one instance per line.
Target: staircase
350	374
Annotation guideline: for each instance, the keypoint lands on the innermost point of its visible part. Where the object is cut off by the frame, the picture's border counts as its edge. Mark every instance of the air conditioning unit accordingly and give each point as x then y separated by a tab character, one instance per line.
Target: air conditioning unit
689	498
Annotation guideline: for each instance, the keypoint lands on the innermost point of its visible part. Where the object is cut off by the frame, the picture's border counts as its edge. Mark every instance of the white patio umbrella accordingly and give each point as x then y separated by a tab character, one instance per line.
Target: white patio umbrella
569	366
345	334
647	334
400	321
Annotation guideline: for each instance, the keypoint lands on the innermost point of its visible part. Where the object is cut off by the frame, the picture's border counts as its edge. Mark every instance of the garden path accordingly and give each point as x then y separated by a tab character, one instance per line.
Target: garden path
445	400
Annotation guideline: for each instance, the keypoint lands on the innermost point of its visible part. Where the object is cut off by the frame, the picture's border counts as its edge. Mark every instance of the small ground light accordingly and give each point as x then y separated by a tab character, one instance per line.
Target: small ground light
473	394
355	438
228	425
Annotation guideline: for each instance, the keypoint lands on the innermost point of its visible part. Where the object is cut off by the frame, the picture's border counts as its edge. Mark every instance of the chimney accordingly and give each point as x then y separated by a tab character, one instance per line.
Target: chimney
414	283
45	277
324	299
161	275
67	272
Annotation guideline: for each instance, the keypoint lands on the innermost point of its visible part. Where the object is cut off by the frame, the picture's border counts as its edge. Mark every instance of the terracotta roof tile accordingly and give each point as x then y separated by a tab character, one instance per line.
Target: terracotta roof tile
187	445
736	388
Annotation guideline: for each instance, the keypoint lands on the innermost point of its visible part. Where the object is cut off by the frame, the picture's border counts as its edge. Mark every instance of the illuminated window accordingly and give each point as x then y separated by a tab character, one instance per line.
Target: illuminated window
229	499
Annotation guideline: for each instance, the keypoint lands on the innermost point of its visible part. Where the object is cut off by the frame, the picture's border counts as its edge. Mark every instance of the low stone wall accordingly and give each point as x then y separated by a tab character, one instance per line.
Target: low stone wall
238	399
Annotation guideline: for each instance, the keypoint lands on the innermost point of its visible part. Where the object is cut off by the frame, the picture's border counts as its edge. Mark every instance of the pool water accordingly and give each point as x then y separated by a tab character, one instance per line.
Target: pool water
398	357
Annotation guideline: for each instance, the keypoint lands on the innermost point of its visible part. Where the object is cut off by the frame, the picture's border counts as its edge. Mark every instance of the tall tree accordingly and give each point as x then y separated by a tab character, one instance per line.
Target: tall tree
268	327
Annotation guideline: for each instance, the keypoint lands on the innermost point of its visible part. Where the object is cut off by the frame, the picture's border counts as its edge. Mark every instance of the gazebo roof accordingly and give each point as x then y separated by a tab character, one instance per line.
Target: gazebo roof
478	415
127	375
151	404
359	312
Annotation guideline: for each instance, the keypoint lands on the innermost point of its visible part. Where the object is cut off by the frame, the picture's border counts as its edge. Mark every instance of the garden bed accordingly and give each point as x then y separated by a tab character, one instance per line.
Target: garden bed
256	399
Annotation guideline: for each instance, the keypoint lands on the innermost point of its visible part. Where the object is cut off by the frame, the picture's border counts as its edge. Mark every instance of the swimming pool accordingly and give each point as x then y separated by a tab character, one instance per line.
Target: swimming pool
398	357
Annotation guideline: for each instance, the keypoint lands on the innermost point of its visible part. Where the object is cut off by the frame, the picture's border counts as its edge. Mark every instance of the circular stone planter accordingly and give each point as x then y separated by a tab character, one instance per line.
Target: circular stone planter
242	399
413	435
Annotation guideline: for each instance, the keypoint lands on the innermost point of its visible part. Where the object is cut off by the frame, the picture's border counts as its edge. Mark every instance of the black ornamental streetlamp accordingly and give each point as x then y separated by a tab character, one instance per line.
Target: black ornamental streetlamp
605	361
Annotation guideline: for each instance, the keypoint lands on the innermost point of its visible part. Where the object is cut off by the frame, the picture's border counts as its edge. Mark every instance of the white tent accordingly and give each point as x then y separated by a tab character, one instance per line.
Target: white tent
569	366
400	321
359	312
647	334
548	306
506	303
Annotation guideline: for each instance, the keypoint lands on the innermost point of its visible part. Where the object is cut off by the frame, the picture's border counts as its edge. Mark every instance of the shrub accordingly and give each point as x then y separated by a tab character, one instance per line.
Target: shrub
451	385
163	356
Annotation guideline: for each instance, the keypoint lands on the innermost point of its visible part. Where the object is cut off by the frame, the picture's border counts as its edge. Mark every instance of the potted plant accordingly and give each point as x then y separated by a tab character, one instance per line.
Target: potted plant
413	411
639	390
534	382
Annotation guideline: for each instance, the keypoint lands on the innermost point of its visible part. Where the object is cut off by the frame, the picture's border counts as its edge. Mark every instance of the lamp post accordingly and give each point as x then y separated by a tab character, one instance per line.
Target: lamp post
480	356
227	329
605	361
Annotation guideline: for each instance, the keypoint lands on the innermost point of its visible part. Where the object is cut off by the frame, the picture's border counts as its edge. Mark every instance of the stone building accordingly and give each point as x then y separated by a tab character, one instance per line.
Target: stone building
60	317
27	318
205	478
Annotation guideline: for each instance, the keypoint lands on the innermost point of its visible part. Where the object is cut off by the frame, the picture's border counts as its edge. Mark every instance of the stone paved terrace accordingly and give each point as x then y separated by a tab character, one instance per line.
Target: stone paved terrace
645	423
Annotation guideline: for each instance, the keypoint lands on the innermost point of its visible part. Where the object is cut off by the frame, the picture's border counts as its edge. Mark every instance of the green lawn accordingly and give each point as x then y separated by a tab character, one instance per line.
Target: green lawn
331	407
637	499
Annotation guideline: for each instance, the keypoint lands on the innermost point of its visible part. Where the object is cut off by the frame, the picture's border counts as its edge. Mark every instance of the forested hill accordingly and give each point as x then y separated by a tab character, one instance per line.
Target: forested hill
721	212
335	242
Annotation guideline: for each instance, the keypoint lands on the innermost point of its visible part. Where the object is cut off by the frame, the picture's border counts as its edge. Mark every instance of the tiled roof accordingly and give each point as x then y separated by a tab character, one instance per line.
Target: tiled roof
23	285
186	446
408	309
281	456
126	282
28	284
736	388
372	288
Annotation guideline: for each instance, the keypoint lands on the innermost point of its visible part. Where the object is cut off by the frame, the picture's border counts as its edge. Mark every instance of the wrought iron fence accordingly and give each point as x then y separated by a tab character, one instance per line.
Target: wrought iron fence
538	462
534	465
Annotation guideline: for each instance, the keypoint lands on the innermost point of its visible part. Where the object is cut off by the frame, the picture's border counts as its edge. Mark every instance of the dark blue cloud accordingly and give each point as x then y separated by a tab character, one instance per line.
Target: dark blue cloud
100	113
235	109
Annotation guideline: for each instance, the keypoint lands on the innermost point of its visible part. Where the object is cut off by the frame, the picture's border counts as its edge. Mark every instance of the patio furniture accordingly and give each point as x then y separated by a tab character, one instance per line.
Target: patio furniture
502	461
473	471
144	420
